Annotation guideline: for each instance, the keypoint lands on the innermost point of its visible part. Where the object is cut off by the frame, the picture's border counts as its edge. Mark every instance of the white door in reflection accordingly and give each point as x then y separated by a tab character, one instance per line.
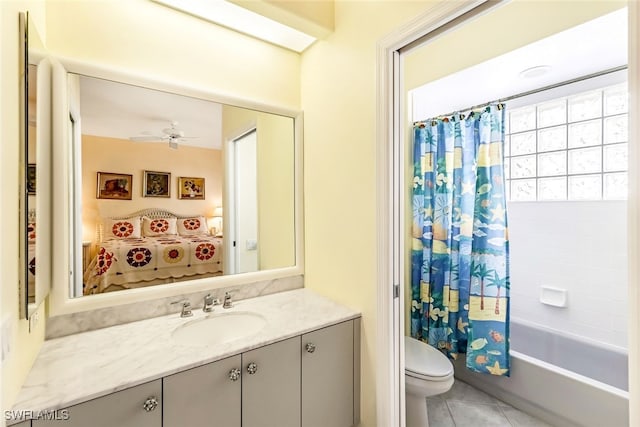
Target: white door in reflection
244	209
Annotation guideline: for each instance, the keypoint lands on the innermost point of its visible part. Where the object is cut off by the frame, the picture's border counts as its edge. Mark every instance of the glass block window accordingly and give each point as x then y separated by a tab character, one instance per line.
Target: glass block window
570	148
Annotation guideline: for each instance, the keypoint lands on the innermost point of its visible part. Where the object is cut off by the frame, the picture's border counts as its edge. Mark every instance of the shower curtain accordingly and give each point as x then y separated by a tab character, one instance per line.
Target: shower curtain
460	246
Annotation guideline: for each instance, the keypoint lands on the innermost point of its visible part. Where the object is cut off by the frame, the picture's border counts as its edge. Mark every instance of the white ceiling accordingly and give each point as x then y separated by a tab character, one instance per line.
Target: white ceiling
588	48
118	110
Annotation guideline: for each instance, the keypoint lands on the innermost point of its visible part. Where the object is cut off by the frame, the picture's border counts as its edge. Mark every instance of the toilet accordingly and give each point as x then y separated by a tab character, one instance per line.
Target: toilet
428	372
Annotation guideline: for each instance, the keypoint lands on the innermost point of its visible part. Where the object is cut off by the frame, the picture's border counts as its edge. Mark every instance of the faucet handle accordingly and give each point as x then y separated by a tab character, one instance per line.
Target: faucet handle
186	308
227	300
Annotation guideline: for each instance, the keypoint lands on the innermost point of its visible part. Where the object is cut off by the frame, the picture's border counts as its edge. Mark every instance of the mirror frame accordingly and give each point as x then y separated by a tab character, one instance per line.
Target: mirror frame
63	248
23	281
30	55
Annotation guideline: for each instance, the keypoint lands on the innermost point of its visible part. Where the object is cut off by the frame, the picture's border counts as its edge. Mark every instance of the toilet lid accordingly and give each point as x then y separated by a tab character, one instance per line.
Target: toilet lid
422	360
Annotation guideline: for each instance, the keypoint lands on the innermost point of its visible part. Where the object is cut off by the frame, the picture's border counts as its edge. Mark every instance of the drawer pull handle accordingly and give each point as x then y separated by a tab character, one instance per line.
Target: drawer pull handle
310	347
234	374
252	368
150	404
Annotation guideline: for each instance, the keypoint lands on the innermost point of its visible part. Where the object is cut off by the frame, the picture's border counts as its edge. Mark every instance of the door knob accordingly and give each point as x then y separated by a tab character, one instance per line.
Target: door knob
310	347
252	368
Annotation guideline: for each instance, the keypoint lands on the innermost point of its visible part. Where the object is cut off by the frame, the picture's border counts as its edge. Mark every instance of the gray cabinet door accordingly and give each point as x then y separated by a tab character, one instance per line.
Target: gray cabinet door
271	394
121	409
22	424
328	376
204	396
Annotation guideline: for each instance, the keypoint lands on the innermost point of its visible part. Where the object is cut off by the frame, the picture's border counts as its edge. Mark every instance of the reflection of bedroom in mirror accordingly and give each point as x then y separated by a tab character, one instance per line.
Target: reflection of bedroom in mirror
152	219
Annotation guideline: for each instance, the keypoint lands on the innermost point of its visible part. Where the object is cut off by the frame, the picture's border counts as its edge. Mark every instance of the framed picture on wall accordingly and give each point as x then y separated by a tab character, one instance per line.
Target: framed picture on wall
190	188
156	184
115	186
31	179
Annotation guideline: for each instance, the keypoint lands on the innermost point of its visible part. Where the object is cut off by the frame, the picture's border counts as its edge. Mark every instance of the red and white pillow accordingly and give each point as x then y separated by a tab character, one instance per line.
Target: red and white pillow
192	226
158	227
122	228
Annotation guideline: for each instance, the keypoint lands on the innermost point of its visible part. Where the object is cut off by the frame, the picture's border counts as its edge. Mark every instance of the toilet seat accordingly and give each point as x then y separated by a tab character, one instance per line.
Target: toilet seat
424	362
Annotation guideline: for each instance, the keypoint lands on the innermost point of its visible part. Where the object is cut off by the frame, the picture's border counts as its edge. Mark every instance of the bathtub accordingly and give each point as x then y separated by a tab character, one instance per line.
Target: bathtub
562	379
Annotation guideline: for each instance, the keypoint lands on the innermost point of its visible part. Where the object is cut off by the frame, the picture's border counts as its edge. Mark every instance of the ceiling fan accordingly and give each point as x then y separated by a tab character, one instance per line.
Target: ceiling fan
173	134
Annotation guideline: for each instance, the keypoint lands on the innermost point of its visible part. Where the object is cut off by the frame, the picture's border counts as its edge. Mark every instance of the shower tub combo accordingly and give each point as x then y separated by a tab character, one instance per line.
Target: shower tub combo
562	379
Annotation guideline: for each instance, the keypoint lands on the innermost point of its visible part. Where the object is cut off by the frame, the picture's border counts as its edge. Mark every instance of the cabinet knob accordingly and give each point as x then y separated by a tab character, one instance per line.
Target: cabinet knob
252	368
310	347
234	374
150	404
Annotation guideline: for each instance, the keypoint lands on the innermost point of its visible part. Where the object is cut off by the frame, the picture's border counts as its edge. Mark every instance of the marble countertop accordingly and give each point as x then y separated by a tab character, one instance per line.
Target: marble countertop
76	368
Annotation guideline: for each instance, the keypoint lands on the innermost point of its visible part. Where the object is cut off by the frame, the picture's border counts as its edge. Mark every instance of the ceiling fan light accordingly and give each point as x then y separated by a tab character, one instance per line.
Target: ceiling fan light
173	144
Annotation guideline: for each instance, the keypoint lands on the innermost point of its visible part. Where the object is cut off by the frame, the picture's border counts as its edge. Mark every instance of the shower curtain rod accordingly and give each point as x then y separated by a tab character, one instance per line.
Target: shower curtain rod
527	93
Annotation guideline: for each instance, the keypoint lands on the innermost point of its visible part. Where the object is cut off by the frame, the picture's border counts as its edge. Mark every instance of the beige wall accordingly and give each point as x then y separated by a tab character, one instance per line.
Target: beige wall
275	154
100	154
339	101
24	345
147	38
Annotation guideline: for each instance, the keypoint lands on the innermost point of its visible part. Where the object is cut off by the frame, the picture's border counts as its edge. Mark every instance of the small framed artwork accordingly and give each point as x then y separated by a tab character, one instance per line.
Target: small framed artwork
191	188
114	186
156	184
31	179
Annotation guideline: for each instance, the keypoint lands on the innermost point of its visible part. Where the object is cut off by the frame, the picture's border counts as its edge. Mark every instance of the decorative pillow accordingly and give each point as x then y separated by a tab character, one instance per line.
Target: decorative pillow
191	226
122	228
158	227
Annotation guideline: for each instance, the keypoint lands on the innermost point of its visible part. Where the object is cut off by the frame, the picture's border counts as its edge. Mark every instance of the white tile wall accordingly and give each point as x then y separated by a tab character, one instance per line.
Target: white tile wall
578	246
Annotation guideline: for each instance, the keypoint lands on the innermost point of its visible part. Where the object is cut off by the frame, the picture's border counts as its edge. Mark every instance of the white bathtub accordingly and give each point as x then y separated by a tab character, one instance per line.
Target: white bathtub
562	379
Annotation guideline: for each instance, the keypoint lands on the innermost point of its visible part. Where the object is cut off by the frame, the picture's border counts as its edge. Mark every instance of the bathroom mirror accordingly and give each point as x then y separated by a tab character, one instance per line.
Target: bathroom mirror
171	191
35	192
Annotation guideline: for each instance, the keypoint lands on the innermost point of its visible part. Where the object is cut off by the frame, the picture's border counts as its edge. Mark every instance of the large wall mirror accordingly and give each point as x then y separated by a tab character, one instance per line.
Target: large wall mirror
169	190
35	193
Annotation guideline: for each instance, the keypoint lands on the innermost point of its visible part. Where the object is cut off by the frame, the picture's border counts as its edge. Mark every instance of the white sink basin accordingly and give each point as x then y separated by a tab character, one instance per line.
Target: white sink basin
218	329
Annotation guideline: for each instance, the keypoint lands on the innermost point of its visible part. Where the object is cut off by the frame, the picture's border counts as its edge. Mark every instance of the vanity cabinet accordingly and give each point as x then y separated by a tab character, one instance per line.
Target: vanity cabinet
139	406
311	380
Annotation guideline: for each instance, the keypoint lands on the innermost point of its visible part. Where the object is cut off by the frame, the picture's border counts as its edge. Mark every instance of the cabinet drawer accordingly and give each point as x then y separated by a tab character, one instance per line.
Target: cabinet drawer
121	409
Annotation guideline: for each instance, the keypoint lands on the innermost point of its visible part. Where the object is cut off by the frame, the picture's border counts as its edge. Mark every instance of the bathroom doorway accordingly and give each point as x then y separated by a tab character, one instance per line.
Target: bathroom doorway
243	204
393	109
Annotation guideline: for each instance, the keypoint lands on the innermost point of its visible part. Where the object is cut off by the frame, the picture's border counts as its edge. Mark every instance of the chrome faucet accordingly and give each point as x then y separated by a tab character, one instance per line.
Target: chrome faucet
186	308
227	300
209	302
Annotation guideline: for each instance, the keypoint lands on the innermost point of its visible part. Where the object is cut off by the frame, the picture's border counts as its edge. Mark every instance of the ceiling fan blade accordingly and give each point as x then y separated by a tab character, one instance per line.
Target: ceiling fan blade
146	138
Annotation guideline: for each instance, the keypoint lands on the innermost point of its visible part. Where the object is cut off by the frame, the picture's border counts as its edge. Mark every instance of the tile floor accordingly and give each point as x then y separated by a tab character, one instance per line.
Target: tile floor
466	406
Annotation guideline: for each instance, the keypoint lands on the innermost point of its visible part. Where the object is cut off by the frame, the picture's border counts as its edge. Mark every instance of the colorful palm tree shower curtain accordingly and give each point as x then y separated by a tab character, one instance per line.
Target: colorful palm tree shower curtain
460	253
